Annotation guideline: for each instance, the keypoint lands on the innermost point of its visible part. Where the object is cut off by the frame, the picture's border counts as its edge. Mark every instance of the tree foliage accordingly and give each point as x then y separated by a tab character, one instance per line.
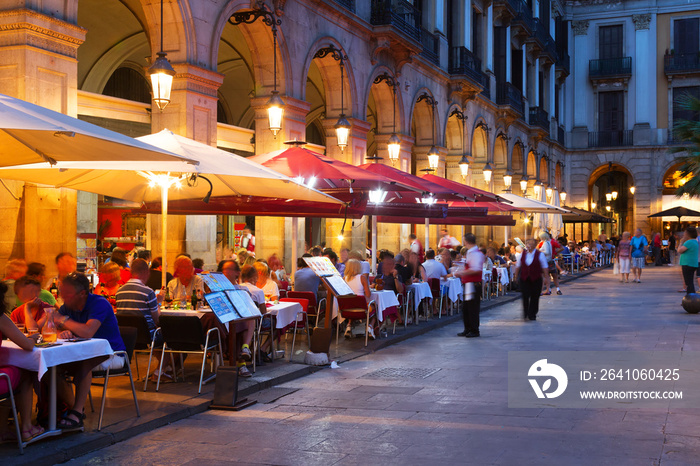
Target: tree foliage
688	132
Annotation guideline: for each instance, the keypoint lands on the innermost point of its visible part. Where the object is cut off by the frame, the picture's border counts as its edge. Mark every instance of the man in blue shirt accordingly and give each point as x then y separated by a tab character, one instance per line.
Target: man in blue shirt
85	315
306	279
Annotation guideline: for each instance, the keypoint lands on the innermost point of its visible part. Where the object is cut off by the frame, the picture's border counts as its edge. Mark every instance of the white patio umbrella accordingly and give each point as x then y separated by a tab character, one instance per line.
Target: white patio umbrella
33	134
217	173
539	223
555	221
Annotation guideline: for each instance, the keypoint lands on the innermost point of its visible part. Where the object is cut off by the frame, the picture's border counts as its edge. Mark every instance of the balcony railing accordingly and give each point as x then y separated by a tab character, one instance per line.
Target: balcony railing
610	67
563	61
397	13
523	16
508	94
561	135
616	138
431	47
539	117
463	61
686	63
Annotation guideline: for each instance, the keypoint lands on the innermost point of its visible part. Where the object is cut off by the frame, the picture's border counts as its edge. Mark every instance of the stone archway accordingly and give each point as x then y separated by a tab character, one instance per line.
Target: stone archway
609	195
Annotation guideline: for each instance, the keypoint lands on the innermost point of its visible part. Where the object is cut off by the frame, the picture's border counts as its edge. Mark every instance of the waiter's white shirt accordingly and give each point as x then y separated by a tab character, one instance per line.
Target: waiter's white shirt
530	256
475	261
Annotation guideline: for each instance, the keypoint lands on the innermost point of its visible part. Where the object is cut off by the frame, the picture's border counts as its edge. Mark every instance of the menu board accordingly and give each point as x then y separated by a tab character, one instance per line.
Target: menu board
243	303
322	266
216	281
221	306
339	286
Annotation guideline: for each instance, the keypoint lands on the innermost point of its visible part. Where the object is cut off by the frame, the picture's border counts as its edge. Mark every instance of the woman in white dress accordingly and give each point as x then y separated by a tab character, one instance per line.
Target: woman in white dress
360	286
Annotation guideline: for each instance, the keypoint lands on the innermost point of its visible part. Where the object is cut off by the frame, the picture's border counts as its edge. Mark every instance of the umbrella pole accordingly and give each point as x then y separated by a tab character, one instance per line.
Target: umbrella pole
164	233
373	267
295	233
427	234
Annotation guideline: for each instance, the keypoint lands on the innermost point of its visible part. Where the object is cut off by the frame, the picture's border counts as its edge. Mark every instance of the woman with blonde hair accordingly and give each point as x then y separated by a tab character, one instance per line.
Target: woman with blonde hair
110	275
359	286
265	283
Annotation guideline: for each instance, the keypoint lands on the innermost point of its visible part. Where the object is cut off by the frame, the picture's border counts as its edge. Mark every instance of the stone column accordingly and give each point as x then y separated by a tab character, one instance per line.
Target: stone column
645	69
38	57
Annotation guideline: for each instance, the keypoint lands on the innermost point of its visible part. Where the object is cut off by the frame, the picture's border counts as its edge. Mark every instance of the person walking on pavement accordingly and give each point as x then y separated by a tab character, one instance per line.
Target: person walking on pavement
639	250
531	269
623	257
688	250
471	278
656	248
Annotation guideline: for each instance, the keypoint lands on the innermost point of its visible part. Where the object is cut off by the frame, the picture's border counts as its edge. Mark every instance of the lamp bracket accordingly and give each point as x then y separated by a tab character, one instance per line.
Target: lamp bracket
333	52
503	135
390	80
520	143
250	16
484	126
459	114
428	99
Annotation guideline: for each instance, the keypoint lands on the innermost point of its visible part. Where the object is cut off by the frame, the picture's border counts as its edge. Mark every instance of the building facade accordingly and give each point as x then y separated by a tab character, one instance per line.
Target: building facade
544	91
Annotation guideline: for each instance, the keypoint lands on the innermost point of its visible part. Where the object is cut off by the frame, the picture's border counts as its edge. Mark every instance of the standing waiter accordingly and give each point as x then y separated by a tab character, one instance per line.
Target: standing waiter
531	268
471	277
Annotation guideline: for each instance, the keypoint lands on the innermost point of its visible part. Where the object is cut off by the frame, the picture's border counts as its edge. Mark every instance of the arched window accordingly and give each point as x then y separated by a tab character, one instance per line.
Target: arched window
127	83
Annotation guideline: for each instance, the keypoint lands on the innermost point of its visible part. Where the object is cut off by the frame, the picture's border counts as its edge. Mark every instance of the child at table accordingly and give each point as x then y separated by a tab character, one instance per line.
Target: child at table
31	312
19	379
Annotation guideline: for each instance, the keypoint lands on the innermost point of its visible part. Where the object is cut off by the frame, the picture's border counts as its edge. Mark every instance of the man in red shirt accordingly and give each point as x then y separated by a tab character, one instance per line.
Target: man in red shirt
471	278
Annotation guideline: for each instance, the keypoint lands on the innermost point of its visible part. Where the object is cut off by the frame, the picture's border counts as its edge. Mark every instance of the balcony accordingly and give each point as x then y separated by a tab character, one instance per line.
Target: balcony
543	41
618	138
508	94
486	82
505	10
682	64
399	14
463	61
539	117
523	19
607	68
349	4
431	47
563	62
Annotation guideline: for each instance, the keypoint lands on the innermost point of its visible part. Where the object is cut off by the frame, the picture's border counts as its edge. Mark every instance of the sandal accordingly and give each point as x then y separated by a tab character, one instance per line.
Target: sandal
71	425
32	433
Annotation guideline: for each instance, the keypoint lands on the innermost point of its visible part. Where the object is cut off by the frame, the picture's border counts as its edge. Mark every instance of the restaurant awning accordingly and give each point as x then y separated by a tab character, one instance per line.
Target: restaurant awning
531	205
583	216
456	206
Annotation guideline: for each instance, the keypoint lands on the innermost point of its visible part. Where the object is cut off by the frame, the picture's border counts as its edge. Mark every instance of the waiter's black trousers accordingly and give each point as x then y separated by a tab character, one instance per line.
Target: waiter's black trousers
531	296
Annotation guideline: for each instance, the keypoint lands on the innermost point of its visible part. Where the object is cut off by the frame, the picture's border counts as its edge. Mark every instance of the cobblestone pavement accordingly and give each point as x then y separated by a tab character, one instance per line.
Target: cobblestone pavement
439	398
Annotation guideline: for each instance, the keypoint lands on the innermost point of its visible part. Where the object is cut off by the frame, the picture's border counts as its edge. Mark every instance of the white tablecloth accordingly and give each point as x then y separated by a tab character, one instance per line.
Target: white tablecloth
41	359
422	291
503	275
453	287
384	299
285	313
486	275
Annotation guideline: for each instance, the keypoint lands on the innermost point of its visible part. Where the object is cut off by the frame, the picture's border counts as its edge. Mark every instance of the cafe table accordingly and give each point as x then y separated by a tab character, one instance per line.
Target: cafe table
43	360
385	300
421	291
452	287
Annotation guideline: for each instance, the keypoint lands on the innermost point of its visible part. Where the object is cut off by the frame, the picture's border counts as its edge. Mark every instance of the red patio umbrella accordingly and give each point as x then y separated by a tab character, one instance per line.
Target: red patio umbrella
463	189
416	182
484	220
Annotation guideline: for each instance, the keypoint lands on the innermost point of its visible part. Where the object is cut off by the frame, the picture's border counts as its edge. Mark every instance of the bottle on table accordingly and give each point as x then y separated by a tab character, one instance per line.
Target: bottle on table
54	288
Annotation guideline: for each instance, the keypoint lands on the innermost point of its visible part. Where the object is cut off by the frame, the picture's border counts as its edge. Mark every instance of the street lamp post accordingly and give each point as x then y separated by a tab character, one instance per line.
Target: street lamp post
161	73
342	127
394	146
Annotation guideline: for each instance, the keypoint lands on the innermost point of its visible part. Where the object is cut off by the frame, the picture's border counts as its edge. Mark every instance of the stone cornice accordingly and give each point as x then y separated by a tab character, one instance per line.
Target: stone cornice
196	79
23	27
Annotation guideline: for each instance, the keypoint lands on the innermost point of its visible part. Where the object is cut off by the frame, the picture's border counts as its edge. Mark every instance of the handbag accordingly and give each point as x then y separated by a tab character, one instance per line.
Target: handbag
616	268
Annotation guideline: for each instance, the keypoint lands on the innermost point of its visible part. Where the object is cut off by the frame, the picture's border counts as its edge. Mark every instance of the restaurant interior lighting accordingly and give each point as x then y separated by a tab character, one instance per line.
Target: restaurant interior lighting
161	73
488	171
